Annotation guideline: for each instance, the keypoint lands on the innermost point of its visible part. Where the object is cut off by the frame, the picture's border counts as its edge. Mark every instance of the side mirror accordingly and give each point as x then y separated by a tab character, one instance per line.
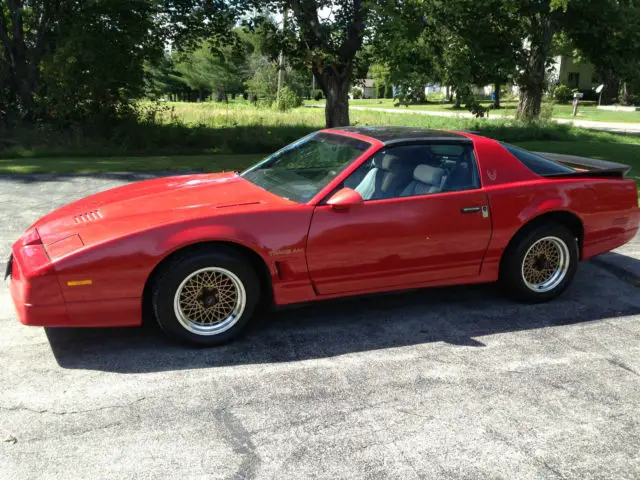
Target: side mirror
344	198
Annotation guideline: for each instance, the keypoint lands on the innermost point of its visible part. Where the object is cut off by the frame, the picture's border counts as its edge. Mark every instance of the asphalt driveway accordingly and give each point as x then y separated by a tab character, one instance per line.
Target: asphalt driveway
443	383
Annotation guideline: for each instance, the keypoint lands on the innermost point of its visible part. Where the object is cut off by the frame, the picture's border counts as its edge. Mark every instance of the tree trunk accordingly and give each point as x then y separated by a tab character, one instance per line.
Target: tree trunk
335	85
496	96
611	87
23	55
627	94
532	80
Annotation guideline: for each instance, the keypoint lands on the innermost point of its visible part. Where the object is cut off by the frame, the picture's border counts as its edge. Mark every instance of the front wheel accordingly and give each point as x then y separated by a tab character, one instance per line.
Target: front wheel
205	297
540	264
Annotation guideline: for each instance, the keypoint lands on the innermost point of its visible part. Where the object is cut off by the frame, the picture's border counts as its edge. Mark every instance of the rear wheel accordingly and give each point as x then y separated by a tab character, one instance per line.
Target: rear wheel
205	297
540	264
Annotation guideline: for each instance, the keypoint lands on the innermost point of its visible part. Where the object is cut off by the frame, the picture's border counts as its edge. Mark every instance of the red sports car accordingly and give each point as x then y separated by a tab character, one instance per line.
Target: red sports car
339	212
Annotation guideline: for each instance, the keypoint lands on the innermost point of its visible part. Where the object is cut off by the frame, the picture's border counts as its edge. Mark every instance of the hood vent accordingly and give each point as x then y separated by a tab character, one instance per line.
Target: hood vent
87	217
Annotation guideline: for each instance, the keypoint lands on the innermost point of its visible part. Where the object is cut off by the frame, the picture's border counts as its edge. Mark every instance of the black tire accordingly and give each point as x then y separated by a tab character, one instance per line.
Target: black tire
511	274
178	269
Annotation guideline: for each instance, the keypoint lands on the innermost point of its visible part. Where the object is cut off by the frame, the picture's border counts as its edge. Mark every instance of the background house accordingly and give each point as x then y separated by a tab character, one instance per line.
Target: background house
369	88
573	74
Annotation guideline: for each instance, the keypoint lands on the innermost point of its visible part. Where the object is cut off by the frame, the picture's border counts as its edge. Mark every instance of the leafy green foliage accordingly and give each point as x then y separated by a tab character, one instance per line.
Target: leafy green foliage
329	44
317	94
73	61
264	81
607	33
356	93
287	99
410	94
205	70
562	94
457	42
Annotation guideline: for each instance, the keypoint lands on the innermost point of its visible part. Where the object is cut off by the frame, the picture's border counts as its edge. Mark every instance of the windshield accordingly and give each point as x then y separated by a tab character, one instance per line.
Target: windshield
300	170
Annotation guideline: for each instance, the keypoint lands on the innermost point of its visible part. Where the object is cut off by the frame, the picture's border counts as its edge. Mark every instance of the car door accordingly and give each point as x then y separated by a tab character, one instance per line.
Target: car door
416	234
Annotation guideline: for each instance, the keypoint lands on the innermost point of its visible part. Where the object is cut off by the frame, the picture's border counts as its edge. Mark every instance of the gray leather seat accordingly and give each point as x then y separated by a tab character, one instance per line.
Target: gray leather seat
388	175
426	179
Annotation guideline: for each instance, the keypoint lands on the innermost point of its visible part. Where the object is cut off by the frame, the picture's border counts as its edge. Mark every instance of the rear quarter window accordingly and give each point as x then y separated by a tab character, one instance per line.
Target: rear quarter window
536	163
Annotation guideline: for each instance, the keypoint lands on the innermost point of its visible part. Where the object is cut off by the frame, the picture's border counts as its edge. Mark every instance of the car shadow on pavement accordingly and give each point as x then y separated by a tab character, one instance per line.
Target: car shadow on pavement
459	316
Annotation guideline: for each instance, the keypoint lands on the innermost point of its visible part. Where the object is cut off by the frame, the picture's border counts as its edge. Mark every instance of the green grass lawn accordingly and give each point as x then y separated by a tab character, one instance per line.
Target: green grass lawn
628	153
206	163
585	112
215	137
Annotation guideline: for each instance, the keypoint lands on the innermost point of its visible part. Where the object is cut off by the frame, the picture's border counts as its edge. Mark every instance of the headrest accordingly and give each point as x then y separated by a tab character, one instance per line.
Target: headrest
428	174
386	161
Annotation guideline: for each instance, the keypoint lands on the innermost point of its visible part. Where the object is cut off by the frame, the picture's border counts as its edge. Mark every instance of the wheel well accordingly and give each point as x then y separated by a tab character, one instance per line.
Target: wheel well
255	260
566	219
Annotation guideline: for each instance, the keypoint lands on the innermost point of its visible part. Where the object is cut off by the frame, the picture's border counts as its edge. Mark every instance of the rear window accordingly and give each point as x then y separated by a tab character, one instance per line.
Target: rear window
536	163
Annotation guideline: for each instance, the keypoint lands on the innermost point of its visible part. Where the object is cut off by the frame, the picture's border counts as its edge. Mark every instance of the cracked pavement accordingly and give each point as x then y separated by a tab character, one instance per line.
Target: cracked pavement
441	383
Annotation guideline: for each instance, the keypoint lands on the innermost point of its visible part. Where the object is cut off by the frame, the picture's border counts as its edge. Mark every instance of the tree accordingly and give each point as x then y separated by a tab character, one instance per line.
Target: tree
62	59
538	20
97	65
400	41
68	58
326	36
27	28
615	52
607	32
454	42
263	82
380	75
162	80
205	70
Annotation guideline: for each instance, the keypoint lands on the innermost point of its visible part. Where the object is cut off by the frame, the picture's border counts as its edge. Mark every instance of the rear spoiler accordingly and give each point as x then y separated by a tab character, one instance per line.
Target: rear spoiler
586	167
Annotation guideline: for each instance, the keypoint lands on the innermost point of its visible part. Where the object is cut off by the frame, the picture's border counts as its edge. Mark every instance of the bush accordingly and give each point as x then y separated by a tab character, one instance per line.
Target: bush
409	94
287	99
476	108
563	94
546	111
356	93
317	95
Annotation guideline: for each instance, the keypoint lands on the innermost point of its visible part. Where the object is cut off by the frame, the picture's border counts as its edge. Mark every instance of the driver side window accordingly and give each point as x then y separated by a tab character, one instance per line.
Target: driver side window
412	170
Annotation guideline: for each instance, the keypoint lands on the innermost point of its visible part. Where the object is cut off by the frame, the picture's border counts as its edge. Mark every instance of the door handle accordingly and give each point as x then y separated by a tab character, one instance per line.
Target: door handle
484	209
470	209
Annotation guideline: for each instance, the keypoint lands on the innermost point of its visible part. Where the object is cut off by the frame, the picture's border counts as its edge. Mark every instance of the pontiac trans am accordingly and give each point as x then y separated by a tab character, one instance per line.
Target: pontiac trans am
339	212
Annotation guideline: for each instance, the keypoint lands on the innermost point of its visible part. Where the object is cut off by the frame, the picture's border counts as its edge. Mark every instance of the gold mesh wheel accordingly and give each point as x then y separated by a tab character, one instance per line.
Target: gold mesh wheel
209	301
545	264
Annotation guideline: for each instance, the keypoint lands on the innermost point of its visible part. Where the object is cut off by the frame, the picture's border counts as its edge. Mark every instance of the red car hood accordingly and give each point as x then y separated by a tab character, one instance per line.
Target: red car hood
151	201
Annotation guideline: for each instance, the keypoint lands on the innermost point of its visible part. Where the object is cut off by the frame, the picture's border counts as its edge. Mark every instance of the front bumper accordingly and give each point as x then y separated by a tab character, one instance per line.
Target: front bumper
38	300
39	316
36	297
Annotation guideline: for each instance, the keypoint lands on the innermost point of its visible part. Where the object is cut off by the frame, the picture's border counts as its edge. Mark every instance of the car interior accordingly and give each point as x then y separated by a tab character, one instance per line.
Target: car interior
415	170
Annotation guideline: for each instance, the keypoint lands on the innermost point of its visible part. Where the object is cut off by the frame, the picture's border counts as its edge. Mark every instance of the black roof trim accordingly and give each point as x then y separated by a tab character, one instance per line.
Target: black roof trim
394	135
414	140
